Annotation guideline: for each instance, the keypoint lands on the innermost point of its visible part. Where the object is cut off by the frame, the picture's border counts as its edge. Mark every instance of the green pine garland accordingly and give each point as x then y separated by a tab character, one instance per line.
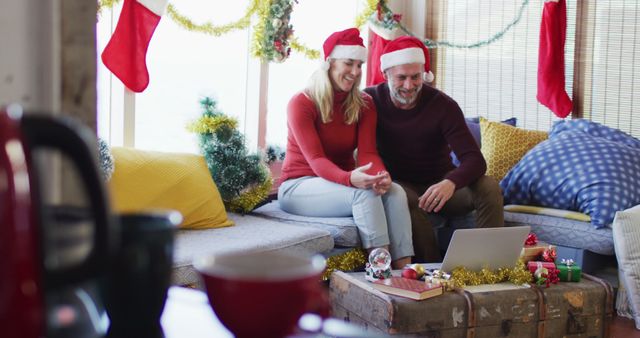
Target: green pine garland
105	159
274	153
243	179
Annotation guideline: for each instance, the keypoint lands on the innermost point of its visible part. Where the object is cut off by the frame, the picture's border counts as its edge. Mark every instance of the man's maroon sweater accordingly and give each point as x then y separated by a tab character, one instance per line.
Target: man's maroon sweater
415	143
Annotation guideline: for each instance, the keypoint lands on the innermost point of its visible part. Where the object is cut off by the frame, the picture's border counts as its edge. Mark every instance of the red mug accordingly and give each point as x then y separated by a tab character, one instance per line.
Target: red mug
262	294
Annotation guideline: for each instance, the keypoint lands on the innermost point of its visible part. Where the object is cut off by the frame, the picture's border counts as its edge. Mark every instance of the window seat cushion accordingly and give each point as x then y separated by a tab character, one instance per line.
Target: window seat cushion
342	229
250	234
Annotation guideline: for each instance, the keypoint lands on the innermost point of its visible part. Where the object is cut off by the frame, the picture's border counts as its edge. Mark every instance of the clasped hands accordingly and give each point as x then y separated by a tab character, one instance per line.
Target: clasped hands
380	183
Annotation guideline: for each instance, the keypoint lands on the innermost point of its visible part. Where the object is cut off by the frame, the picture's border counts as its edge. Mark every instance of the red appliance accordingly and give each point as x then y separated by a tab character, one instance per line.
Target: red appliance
53	252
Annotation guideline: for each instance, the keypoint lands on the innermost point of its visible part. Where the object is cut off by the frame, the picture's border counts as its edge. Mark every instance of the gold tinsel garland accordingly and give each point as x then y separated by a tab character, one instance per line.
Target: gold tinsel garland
300	48
208	27
366	13
347	261
519	275
247	200
209	124
262	8
259	30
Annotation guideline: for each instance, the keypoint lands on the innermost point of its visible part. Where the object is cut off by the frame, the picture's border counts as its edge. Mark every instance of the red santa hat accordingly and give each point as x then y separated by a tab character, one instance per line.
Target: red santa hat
346	44
404	50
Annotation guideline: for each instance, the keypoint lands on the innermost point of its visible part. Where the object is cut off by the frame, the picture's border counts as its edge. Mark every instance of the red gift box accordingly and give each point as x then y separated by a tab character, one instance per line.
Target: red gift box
533	252
534	265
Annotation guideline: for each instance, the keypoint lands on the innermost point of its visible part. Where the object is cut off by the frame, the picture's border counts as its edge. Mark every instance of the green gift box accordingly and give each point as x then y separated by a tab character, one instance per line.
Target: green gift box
569	271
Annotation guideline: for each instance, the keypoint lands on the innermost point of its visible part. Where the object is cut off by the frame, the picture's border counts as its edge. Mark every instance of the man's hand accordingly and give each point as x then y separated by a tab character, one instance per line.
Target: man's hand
436	196
383	185
362	180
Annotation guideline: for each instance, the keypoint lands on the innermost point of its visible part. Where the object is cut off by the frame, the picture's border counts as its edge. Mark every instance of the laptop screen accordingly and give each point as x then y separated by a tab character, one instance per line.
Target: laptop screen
478	248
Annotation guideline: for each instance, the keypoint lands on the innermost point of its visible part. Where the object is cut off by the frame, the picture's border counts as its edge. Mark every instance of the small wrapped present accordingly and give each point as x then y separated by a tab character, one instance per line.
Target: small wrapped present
569	271
534	251
535	265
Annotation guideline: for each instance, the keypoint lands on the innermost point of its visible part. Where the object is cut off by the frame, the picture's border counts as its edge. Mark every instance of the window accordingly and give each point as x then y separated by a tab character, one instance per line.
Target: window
184	67
499	80
496	81
614	51
313	22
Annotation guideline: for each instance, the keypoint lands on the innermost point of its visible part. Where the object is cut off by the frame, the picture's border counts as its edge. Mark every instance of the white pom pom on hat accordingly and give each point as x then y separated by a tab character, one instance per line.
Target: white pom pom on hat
346	44
405	50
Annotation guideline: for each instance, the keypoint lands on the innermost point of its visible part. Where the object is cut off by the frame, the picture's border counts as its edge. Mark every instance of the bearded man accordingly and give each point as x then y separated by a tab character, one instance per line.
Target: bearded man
417	128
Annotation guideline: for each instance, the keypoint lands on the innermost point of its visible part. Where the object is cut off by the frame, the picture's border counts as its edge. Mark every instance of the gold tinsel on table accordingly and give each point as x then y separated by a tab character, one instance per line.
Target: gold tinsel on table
518	275
248	199
347	261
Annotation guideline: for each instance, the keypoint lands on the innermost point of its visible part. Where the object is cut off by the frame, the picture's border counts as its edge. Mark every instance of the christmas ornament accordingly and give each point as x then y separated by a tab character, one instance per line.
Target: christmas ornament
419	269
532	239
546	276
273	31
409	273
441	277
379	265
380	259
553	29
549	254
125	54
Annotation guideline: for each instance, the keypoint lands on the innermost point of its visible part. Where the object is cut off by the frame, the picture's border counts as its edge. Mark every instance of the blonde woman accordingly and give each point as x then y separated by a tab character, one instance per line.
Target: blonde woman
327	122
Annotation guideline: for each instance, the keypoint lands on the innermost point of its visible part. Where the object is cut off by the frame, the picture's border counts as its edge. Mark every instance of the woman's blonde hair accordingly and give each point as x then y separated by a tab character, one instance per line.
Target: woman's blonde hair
320	91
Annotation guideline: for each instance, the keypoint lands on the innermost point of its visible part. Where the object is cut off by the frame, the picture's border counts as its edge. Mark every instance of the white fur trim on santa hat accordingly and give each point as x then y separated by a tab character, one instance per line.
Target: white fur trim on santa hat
353	52
427	76
401	57
324	65
385	33
156	6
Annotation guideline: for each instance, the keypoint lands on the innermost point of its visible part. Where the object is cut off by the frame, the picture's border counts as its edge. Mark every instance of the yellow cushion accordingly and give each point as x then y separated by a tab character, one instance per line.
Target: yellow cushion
148	179
504	145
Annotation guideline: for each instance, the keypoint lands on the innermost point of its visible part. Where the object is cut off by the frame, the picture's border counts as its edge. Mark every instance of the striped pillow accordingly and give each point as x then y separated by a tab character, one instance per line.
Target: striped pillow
535	210
626	239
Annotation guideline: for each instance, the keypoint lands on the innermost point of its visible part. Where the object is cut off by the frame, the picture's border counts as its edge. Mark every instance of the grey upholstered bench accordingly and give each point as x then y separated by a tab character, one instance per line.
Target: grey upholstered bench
249	234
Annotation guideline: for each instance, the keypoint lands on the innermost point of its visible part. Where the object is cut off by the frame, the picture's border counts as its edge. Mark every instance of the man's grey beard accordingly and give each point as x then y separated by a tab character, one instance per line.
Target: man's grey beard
404	101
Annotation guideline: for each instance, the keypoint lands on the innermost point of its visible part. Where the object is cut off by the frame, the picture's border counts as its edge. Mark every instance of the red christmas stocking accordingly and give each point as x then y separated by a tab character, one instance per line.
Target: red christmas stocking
378	39
126	52
551	92
376	45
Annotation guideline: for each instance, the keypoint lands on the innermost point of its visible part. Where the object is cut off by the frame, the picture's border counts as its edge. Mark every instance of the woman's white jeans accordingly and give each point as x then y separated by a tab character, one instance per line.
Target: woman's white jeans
381	220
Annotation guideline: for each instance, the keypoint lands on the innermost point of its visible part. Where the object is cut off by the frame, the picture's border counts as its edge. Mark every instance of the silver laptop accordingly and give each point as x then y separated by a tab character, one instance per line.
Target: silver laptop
477	248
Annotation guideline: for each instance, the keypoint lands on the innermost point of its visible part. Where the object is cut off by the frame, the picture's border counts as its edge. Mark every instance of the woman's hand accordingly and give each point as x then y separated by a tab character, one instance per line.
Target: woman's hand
362	180
383	185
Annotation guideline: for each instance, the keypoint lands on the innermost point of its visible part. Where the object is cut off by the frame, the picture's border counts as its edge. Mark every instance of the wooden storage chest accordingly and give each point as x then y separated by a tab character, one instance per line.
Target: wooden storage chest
581	309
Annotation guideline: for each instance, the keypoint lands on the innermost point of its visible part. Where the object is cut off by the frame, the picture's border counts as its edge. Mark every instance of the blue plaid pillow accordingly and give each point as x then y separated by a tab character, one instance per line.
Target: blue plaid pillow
583	166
